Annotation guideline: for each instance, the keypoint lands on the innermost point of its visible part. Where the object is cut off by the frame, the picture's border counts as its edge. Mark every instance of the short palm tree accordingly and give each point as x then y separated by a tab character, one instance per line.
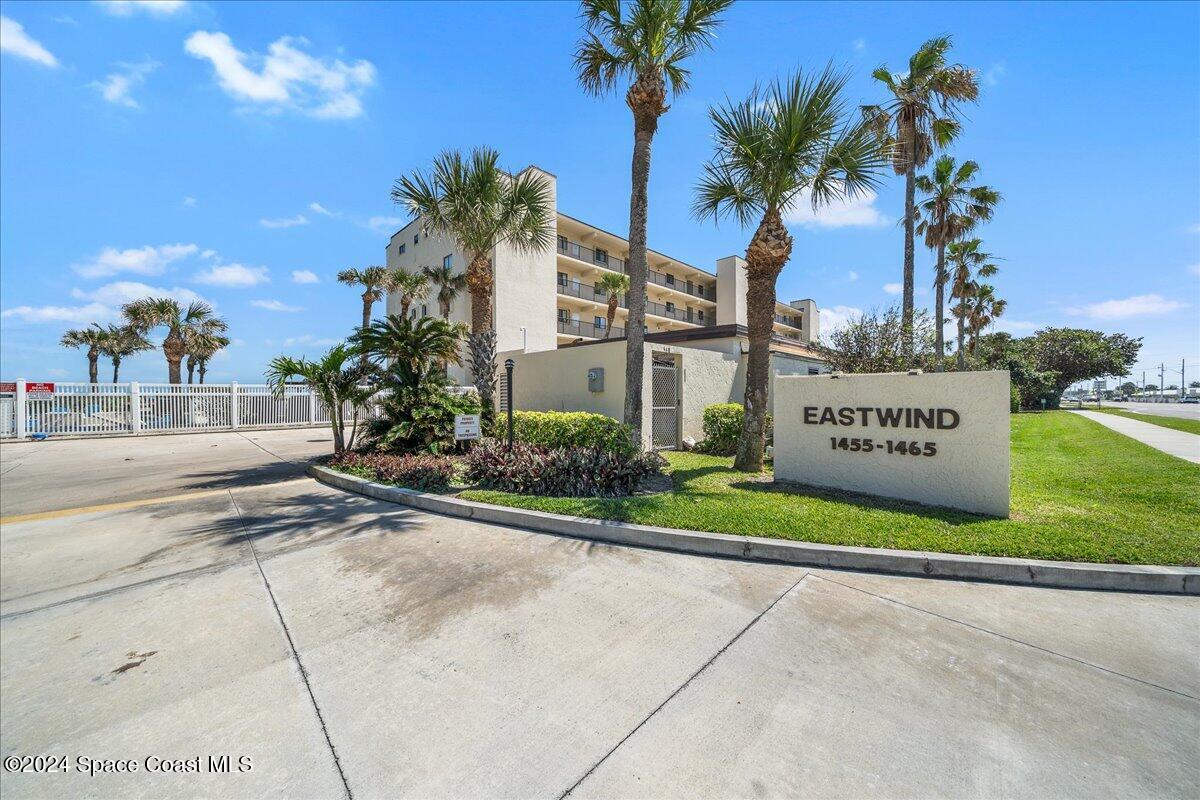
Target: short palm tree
613	284
336	379
967	261
983	308
794	137
399	339
479	205
120	342
375	282
148	313
921	114
950	209
647	43
203	343
411	286
448	285
93	338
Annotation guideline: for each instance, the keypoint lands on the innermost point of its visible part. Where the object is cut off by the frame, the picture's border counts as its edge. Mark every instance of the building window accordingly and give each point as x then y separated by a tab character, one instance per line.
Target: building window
416	238
700	289
814	371
670	307
600	322
670	279
564	315
401	251
562	244
562	279
424	310
700	315
601	256
448	261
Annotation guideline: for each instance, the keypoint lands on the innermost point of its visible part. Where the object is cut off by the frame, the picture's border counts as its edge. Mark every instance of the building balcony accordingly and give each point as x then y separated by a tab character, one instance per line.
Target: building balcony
587	330
791	322
584	291
605	260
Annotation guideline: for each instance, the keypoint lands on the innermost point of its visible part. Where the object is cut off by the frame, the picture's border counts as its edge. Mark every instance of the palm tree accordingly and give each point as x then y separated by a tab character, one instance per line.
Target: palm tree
983	307
920	115
647	43
967	261
121	341
795	137
335	379
411	286
93	338
149	313
614	284
475	202
202	342
448	286
375	282
950	210
399	339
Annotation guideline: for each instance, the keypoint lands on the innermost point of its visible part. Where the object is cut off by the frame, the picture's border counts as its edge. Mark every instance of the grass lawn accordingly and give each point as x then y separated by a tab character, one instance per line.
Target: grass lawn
1080	492
1185	425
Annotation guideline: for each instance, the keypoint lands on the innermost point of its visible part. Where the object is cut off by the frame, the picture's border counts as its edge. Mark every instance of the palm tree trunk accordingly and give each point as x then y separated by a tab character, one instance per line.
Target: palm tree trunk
405	302
910	220
116	368
174	372
479	282
445	304
940	302
612	314
191	369
769	250
203	368
93	368
962	356
644	127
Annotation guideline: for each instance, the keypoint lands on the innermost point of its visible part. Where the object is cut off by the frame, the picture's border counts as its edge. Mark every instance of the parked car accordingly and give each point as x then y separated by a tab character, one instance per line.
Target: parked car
1190	400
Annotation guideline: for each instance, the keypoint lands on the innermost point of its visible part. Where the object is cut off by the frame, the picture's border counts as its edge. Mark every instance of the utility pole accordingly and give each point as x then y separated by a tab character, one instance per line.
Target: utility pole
1182	378
1162	391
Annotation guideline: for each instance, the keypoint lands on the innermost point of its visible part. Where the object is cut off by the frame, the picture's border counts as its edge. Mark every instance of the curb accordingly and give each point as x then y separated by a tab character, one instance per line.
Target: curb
1020	571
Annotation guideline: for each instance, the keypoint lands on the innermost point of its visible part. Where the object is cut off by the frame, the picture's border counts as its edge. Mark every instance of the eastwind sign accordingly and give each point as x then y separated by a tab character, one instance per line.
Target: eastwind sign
938	439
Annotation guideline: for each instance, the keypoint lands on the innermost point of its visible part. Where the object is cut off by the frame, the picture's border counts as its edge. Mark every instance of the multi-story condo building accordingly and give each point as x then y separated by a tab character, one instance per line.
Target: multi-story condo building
546	300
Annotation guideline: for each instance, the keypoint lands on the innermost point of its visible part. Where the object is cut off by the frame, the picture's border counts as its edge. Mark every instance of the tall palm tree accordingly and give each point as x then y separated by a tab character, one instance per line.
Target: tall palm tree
794	137
448	286
921	114
614	284
375	282
120	342
950	209
411	286
983	307
479	205
148	313
93	338
967	261
647	43
335	379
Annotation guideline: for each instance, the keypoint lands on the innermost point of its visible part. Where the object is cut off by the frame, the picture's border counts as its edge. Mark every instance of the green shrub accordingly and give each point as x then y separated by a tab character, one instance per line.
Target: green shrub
723	427
417	419
566	429
559	471
1014	399
425	473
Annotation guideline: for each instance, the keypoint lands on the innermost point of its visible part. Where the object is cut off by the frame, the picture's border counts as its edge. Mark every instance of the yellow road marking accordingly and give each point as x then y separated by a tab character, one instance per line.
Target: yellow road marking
149	501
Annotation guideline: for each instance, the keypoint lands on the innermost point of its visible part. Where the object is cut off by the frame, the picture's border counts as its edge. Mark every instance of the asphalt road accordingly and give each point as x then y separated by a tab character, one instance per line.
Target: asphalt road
353	648
1180	410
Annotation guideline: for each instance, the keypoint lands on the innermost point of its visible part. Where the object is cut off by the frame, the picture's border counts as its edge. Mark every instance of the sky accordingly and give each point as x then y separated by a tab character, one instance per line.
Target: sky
243	153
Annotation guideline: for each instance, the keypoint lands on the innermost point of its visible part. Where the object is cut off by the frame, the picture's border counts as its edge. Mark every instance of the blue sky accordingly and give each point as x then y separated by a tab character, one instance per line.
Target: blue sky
244	153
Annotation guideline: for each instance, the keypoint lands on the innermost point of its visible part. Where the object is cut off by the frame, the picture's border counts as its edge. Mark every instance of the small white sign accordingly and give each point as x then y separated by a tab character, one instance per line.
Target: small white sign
466	427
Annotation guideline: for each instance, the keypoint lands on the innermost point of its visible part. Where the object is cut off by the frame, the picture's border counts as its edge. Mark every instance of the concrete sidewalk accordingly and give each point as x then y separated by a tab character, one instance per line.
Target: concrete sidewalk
1177	443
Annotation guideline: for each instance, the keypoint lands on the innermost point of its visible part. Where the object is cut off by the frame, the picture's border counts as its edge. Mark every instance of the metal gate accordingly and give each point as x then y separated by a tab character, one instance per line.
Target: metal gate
664	403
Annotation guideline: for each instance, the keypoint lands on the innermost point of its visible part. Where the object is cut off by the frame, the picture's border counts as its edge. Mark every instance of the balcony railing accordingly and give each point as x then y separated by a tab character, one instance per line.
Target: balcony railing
609	261
791	322
598	295
587	329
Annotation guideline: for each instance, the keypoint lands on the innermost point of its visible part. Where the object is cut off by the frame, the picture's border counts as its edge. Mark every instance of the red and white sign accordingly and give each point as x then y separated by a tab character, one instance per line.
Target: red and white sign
39	390
8	387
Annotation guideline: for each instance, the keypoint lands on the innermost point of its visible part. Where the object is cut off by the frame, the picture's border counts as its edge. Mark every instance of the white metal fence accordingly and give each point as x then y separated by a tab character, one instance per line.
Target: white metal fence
107	409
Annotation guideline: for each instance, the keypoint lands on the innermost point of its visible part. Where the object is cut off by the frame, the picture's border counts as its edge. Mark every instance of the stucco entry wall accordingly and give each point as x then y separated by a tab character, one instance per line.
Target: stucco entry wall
970	469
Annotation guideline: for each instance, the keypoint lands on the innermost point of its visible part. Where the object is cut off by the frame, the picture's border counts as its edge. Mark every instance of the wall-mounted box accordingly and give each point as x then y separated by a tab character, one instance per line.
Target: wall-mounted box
596	379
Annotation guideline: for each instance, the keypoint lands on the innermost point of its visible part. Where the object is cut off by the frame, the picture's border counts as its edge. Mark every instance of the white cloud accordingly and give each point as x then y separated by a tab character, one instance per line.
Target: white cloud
116	294
147	260
284	222
207	254
189	202
851	275
1137	306
92	312
275	305
859	45
836	317
844	212
304	276
116	86
156	8
288	78
233	275
994	74
1016	325
14	40
103	303
385	225
1194	269
893	288
317	208
308	338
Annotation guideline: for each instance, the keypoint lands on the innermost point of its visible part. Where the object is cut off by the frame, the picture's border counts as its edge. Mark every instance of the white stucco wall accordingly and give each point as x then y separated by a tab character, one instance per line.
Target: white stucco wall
969	470
525	293
731	291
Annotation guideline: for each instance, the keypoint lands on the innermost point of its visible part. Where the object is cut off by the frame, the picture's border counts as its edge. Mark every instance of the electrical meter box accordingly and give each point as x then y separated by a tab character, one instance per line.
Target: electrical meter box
596	379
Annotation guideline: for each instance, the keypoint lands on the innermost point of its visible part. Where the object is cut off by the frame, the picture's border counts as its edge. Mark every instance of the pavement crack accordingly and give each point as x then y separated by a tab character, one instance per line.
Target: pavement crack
681	687
1007	638
292	646
265	450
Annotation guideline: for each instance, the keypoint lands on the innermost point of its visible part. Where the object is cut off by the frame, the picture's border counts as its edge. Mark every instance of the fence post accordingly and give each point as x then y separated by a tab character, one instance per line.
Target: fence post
19	411
233	405
135	408
312	406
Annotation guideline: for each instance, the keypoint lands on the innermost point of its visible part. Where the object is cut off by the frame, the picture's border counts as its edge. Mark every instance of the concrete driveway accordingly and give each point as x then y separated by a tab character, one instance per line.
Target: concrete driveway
348	647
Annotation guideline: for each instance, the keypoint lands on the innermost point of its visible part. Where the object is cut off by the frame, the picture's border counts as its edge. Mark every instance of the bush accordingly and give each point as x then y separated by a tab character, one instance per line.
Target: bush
417	419
1014	399
566	429
425	473
723	427
559	471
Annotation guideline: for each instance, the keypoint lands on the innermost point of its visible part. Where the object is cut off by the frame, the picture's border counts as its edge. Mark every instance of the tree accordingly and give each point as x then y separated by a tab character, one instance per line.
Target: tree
613	284
448	286
411	286
202	342
1194	385
1076	354
874	342
921	114
1034	386
91	337
646	42
951	208
148	313
983	307
375	280
120	342
967	261
482	207
1128	388
1151	387
791	139
335	378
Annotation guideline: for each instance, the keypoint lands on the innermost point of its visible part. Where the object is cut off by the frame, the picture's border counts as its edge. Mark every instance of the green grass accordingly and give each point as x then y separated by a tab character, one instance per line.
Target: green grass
1080	492
1185	425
